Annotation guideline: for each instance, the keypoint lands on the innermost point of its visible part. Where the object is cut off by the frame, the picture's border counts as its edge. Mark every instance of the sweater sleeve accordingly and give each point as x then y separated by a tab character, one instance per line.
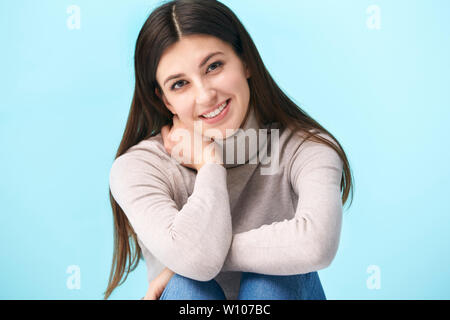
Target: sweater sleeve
193	241
309	241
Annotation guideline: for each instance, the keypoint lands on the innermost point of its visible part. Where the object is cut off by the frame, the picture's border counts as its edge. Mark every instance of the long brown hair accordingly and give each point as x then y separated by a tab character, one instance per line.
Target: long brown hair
166	25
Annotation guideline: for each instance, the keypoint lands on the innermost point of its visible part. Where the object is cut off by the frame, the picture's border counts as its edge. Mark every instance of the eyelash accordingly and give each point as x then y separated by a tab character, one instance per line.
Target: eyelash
219	64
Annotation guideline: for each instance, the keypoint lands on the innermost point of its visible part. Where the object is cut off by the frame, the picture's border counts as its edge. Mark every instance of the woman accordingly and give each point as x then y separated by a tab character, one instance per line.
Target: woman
210	220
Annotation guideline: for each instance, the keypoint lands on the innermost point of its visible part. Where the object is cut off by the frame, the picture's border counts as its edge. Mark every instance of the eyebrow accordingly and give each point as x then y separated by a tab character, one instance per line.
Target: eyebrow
204	61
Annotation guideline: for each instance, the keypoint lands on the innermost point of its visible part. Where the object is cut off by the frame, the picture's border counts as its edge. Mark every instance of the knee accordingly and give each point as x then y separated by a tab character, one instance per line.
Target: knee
179	279
258	282
254	278
180	283
183	288
300	286
250	277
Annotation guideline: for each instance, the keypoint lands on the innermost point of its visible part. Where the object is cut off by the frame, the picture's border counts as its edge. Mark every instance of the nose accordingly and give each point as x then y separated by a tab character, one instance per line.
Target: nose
205	95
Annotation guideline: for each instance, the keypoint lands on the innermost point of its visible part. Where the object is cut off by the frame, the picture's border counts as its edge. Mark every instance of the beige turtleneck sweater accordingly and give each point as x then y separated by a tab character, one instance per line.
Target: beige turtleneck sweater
277	218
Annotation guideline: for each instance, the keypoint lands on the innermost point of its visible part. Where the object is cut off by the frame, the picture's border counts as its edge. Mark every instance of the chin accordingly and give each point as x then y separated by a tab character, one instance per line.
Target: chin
231	126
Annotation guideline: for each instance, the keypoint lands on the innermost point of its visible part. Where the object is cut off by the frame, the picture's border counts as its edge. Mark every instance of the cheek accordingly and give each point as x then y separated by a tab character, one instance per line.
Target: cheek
233	82
182	108
241	89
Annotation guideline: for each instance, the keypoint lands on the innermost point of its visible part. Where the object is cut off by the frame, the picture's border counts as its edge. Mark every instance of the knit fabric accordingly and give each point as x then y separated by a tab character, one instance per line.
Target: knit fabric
280	219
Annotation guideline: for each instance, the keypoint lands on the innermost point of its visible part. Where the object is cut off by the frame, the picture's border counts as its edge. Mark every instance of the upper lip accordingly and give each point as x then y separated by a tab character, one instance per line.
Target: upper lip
214	108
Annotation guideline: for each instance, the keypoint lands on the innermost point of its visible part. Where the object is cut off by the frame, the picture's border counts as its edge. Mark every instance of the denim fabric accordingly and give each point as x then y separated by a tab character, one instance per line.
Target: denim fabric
253	286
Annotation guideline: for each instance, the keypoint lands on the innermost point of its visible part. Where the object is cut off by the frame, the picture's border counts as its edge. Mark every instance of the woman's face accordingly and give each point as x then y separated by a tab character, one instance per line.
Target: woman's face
195	82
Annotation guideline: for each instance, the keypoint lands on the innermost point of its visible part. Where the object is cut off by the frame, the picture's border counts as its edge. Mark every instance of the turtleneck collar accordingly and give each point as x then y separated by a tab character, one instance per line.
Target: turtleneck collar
236	151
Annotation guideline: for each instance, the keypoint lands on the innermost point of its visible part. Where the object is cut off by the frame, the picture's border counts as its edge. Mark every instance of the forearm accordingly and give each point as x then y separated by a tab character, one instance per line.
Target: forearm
310	240
192	241
283	248
199	236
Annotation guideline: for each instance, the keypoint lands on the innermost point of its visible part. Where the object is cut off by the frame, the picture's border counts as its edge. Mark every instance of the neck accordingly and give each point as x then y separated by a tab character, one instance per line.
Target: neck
242	146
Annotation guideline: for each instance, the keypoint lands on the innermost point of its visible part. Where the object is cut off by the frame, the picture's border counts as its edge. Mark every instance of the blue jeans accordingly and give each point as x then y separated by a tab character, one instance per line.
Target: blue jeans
254	286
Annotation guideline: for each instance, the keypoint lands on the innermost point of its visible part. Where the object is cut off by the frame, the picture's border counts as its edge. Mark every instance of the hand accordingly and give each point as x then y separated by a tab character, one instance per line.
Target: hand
180	145
158	285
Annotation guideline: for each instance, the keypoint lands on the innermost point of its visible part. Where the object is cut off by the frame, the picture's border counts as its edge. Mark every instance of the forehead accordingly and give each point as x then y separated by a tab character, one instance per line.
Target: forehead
188	52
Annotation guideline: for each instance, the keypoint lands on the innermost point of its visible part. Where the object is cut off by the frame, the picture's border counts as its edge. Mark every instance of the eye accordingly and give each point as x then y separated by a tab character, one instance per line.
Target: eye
217	64
173	86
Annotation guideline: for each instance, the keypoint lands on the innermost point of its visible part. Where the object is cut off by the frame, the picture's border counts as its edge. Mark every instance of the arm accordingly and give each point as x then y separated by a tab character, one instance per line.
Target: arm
193	241
309	241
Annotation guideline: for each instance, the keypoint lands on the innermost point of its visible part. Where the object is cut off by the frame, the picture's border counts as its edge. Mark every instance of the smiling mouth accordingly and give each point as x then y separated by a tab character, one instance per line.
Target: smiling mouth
216	112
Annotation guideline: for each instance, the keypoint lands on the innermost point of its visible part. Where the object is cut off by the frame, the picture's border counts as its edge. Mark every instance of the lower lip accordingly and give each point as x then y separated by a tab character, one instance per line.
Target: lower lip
218	117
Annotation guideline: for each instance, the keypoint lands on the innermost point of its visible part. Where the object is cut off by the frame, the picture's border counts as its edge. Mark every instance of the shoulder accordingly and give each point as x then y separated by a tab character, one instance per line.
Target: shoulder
147	153
299	143
147	159
302	145
310	155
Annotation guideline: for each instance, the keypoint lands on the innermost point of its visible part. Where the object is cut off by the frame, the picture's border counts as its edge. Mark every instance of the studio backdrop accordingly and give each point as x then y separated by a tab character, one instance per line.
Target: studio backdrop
374	73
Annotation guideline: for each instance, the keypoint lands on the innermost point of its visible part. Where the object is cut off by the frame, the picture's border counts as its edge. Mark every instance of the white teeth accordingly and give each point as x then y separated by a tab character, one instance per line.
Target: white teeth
216	112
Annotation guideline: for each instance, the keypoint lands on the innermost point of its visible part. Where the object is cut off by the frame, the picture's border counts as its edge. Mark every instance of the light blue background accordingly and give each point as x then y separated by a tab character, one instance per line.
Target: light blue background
65	96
